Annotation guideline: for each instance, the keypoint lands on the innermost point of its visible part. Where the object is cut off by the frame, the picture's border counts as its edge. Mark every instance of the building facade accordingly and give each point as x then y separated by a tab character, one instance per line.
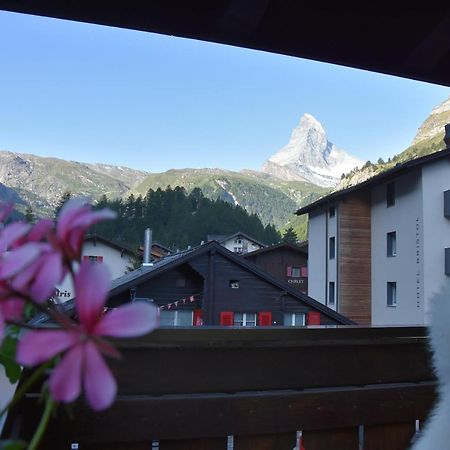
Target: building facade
378	251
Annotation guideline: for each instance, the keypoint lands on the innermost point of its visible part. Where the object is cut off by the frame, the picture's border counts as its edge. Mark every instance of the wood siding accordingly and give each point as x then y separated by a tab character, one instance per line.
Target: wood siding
354	258
278	260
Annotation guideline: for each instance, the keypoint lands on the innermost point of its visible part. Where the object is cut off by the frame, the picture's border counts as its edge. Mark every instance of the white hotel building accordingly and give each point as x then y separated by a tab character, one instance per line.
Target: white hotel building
378	251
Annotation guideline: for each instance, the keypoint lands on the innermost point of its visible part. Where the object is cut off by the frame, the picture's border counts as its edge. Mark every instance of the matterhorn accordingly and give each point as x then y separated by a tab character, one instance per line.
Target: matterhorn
310	156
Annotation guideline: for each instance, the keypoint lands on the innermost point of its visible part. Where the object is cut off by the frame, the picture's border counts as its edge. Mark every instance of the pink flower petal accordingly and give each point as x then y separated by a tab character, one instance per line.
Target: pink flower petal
11	233
50	274
40	230
39	346
68	213
91	289
16	260
133	319
65	381
99	384
87	219
12	308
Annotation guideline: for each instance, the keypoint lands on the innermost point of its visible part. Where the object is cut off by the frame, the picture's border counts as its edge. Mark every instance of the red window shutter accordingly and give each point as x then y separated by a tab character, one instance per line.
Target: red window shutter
265	319
304	271
197	320
85	258
99	259
289	271
226	318
313	318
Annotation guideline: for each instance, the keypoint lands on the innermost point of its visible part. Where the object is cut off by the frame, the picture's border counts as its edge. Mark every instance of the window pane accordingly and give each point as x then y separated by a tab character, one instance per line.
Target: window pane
238	319
167	318
390	194
296	272
391	240
250	320
391	293
331	293
294	319
184	318
332	248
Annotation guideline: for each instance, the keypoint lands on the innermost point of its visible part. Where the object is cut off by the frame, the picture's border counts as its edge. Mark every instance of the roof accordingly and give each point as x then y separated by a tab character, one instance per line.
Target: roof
222	238
295	248
143	274
117	245
412	42
140	275
388	175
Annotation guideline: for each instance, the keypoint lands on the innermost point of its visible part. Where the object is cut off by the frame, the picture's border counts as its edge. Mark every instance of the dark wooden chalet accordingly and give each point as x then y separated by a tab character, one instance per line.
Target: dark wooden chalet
210	285
285	261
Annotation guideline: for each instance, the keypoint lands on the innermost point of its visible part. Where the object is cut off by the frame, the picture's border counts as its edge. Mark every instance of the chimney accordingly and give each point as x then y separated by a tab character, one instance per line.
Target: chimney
447	136
147	248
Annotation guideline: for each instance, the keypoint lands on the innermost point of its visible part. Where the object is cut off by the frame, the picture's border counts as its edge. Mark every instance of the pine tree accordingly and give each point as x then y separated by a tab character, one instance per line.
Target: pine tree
64	198
290	236
29	215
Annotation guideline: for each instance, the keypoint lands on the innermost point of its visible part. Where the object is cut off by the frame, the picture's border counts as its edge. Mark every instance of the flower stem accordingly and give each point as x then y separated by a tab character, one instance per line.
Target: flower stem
25	386
49	404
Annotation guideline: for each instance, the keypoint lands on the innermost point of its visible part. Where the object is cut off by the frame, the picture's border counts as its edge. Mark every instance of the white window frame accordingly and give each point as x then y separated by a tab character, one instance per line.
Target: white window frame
293	321
175	317
246	320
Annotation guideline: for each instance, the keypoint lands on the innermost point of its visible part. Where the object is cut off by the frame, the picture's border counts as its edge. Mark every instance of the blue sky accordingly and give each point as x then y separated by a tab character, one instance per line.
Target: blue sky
152	102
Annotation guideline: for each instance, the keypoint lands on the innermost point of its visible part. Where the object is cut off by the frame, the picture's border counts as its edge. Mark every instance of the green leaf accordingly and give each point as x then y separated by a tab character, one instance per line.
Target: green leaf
7	359
13	445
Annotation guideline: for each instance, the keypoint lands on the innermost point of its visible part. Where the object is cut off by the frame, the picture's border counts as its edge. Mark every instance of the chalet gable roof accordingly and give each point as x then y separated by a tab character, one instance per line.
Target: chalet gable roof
383	177
120	246
296	248
223	238
144	274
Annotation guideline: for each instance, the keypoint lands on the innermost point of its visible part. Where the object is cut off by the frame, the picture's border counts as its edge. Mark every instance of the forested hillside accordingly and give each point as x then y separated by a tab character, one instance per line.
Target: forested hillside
179	219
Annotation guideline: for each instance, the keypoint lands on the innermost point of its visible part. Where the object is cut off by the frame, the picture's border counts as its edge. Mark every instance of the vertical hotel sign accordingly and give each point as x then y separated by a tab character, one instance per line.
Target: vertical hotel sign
418	259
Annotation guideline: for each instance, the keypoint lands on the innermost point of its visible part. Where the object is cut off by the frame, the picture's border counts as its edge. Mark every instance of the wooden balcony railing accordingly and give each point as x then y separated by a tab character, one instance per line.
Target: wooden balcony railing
344	388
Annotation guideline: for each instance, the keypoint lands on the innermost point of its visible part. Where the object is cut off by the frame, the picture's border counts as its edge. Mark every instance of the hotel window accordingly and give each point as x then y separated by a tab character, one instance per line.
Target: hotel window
176	318
331	293
332	249
332	211
294	320
391	293
245	319
447	204
391	241
390	194
234	284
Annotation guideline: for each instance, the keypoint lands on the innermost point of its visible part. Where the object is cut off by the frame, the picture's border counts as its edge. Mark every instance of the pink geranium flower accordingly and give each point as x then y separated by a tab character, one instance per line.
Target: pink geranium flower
82	364
74	220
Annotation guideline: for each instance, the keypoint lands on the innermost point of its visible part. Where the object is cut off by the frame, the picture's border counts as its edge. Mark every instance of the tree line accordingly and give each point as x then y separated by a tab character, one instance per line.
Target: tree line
178	219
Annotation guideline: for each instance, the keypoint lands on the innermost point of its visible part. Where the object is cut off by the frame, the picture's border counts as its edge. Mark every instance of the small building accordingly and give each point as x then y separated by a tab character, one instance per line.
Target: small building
210	285
118	257
239	243
285	261
378	251
158	251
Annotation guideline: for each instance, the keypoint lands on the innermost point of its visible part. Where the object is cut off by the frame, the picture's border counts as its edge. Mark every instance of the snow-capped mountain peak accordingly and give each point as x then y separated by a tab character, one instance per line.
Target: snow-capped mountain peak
310	156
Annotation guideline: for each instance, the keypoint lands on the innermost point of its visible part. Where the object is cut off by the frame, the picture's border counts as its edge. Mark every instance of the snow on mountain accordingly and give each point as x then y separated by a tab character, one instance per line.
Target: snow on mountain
310	156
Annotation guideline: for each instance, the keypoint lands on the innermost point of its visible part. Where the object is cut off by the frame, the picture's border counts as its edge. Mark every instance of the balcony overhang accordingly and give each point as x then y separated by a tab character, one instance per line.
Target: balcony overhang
412	43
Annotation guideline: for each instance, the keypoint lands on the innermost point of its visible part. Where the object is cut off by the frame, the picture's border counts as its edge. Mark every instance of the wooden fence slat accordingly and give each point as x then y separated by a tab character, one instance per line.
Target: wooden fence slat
249	413
284	441
338	439
389	437
194	444
116	446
